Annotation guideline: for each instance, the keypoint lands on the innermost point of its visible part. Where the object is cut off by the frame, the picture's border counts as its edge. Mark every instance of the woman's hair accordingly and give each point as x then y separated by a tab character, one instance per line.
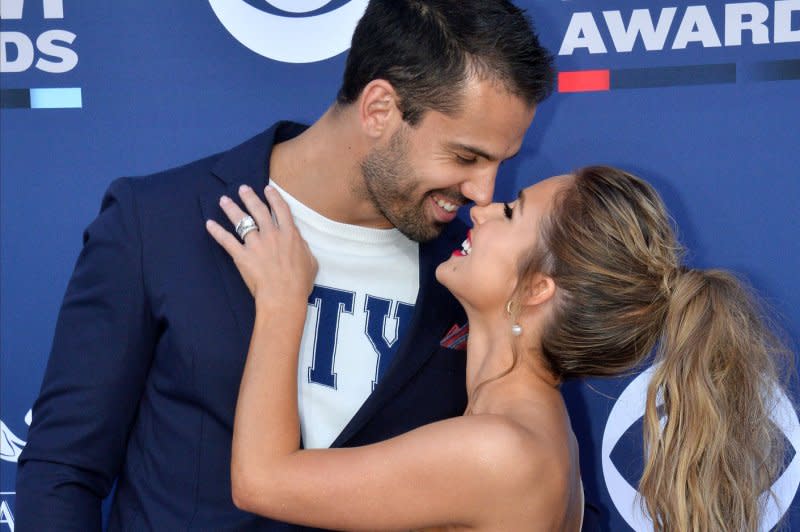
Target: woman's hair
622	290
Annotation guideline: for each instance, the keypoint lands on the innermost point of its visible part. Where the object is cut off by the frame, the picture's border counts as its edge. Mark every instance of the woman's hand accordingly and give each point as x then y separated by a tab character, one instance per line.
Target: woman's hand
275	262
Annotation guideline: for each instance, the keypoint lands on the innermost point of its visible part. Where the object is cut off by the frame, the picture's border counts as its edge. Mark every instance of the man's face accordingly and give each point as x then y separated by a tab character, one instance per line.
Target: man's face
423	174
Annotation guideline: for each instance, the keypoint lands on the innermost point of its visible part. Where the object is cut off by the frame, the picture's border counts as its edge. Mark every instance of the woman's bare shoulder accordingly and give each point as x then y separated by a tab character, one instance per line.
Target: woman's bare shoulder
521	453
530	474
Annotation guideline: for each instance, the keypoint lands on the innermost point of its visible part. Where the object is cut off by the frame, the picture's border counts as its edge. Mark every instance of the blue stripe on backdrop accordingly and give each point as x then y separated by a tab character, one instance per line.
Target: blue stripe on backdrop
15	99
788	69
641	78
62	98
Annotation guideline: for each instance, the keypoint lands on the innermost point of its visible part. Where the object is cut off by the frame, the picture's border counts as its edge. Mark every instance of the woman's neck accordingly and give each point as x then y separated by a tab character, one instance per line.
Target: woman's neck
493	376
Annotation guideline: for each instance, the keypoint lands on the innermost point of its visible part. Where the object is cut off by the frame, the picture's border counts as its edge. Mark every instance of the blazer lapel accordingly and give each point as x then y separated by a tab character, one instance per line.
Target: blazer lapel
247	164
239	298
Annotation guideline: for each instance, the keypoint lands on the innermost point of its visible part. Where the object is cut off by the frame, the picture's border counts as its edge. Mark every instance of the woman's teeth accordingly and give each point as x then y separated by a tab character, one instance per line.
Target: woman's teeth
466	246
446	205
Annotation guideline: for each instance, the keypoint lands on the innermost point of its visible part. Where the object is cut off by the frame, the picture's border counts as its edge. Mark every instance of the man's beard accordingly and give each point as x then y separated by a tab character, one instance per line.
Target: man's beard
391	184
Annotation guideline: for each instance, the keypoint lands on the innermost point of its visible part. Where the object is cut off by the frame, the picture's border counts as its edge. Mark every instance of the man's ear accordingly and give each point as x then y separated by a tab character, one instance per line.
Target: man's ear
378	108
542	288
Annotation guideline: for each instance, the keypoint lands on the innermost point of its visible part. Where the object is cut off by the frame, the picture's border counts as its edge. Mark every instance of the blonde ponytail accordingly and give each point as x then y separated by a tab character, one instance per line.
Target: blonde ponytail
712	451
610	247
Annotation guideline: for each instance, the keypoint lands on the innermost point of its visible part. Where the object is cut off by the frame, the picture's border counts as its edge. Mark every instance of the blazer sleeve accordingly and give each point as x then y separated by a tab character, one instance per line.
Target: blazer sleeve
101	354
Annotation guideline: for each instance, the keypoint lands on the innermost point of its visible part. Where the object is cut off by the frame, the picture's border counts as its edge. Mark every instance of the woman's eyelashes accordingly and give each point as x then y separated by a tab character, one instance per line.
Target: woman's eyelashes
507	210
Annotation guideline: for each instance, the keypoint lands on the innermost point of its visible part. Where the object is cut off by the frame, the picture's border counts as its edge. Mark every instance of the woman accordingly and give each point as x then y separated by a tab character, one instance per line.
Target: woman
580	276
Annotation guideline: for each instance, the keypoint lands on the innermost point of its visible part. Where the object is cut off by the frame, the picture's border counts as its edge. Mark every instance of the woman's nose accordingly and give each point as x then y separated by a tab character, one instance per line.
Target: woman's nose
479	214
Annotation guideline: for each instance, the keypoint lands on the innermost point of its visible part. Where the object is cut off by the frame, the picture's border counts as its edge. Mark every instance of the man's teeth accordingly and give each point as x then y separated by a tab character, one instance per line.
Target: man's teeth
446	205
466	246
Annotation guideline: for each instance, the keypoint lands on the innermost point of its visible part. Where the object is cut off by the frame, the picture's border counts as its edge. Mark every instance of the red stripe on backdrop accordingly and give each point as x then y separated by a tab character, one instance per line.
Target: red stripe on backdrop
584	81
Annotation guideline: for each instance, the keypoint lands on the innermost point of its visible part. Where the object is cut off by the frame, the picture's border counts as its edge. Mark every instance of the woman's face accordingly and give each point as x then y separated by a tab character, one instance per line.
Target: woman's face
483	273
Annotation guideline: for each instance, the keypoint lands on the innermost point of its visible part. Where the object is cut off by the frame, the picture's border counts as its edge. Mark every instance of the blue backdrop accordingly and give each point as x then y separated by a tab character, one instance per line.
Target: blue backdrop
702	98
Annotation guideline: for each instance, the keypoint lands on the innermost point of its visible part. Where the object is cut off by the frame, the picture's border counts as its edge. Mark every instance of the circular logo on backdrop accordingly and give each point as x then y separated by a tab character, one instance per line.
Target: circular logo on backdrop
293	31
10	444
629	408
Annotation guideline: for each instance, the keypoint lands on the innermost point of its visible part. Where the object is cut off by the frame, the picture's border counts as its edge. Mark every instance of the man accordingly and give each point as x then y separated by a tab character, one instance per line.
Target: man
151	340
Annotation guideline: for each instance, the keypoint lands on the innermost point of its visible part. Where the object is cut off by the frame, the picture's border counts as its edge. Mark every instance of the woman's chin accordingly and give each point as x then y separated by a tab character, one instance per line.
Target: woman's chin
446	275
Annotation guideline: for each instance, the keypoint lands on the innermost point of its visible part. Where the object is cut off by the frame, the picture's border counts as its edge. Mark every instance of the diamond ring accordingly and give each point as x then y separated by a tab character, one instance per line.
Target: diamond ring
246	225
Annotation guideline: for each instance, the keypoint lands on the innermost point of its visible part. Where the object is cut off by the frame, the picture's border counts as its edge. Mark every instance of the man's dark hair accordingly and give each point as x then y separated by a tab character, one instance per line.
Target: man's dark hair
429	49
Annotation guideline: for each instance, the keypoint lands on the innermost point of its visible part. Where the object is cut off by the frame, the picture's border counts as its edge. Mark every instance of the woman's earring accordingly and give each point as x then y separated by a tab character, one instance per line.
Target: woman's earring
516	329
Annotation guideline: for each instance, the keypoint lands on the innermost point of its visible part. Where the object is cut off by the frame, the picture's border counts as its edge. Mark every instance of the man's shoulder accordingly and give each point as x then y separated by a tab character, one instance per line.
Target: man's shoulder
243	163
192	174
186	175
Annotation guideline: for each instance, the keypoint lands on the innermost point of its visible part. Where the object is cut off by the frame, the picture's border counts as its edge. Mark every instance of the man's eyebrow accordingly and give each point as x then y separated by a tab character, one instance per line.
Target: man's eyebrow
458	146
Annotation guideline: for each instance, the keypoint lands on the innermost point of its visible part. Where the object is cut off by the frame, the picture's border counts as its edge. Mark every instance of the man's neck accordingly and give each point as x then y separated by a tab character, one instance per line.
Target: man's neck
321	169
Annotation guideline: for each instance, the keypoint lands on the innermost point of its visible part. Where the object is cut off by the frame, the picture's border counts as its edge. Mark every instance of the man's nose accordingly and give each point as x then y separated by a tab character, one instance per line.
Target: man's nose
480	188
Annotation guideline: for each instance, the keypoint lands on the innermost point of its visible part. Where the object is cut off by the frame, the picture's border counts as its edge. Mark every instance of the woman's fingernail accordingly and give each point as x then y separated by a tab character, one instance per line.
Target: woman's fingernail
244	188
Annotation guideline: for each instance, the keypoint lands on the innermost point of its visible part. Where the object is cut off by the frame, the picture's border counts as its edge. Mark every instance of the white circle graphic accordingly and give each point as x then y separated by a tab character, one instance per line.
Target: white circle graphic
630	407
291	39
297	6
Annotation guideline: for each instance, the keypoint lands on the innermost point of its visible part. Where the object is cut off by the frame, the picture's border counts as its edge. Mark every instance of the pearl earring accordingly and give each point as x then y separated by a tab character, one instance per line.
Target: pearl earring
516	329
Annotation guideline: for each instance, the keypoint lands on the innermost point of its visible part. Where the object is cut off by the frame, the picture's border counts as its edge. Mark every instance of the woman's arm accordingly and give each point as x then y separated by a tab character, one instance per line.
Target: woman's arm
458	471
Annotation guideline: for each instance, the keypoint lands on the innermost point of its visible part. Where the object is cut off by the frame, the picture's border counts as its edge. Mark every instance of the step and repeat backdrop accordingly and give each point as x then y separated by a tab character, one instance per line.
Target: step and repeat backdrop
700	97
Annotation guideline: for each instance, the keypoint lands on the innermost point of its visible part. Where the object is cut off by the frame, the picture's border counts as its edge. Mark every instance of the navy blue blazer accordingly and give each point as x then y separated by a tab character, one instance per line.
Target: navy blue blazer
149	348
